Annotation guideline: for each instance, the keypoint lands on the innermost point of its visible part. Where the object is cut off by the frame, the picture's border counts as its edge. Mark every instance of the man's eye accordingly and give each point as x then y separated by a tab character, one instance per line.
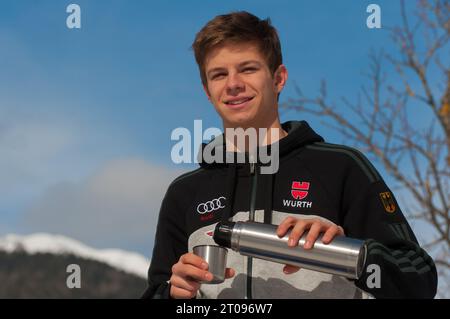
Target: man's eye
218	76
249	70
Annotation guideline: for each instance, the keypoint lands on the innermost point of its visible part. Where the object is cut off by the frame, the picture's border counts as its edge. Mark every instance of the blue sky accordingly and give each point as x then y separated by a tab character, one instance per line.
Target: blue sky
84	108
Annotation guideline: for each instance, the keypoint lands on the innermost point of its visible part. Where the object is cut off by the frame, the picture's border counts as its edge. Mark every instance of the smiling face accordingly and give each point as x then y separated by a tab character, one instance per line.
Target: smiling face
241	86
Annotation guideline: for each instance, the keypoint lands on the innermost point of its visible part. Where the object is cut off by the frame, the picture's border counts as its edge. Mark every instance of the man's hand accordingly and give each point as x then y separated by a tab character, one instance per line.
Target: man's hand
315	227
187	274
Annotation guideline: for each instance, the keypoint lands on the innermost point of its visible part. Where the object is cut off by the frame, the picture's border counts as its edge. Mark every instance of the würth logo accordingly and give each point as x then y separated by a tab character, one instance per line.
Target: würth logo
300	190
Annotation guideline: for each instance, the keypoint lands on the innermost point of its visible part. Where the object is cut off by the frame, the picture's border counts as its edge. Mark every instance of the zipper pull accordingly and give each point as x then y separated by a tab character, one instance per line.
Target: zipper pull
252	165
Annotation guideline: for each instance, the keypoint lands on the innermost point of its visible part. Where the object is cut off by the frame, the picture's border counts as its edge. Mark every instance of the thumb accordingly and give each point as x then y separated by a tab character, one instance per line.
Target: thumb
229	272
289	269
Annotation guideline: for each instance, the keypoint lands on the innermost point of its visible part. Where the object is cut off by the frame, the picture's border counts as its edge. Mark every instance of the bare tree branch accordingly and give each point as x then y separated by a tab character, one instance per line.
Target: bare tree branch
381	122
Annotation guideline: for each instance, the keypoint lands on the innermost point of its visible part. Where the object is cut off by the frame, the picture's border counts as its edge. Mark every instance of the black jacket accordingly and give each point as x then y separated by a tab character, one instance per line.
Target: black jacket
334	182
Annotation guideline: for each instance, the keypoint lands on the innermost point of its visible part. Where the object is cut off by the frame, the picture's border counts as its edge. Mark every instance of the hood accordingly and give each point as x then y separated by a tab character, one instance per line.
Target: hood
299	135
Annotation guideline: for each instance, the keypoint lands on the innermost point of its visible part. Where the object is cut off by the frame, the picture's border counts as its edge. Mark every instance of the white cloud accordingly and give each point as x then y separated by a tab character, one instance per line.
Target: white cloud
27	148
117	206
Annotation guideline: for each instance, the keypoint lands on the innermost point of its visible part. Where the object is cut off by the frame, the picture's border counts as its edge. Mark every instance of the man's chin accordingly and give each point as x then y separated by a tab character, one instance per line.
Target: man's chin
243	123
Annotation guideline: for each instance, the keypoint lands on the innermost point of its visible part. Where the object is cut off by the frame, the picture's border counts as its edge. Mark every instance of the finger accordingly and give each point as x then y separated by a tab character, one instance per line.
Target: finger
180	293
193	272
192	259
330	234
296	233
285	225
185	283
229	272
289	269
313	233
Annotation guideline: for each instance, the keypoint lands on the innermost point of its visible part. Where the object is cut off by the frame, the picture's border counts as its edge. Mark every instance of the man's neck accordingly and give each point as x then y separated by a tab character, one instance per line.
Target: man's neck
240	139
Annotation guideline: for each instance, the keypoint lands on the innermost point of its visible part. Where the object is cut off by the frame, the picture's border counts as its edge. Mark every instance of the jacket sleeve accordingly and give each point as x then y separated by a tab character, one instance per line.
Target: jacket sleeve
170	244
403	268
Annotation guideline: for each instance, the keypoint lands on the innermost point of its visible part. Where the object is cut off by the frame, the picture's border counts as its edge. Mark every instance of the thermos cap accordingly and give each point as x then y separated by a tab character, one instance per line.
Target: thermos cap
222	233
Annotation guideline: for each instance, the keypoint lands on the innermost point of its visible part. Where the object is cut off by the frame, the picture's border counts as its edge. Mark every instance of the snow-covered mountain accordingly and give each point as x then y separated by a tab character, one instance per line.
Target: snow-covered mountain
129	262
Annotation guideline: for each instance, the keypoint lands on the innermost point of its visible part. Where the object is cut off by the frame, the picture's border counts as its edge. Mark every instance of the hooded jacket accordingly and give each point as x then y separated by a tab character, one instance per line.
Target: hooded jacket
314	180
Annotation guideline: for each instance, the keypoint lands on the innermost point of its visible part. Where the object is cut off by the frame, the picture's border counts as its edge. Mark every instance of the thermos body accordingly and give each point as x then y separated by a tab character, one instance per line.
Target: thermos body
343	256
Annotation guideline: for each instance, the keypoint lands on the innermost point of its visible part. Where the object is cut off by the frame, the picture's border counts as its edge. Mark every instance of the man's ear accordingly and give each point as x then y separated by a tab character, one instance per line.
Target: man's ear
280	77
205	88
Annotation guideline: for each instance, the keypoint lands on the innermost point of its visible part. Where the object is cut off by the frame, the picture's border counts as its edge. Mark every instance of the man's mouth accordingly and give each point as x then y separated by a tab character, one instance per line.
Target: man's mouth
238	102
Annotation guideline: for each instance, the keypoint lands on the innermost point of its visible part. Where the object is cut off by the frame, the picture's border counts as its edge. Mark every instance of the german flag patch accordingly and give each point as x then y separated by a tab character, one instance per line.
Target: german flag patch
388	202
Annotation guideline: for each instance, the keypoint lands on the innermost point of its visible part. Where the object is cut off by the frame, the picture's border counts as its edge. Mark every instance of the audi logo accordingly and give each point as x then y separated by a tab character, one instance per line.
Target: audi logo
211	205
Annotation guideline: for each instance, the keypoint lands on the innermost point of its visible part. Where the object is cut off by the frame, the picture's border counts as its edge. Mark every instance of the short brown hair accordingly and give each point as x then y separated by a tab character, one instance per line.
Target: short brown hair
236	27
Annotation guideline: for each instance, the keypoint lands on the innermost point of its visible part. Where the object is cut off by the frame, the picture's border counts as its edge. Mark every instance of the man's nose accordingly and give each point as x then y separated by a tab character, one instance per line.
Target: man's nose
235	84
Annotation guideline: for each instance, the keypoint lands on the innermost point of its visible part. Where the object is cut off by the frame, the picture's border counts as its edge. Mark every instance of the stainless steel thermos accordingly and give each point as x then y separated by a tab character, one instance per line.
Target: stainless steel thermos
343	256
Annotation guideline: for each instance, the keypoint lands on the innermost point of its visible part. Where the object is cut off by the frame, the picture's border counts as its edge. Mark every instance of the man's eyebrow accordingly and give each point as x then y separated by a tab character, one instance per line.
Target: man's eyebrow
242	64
249	62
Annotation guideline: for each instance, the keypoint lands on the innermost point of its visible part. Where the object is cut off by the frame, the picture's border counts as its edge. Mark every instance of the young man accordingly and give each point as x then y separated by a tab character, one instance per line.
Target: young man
318	188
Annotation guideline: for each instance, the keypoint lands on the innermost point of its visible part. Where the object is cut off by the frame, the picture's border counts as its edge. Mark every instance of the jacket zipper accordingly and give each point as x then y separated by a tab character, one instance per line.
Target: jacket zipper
254	176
